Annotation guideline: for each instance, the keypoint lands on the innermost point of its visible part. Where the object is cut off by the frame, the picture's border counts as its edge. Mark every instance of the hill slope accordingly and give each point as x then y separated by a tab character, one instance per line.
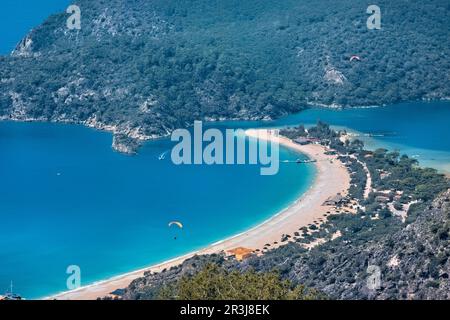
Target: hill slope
143	68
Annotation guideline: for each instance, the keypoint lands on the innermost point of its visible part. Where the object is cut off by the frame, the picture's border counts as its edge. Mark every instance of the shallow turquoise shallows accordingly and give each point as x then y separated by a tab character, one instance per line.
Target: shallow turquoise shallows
67	199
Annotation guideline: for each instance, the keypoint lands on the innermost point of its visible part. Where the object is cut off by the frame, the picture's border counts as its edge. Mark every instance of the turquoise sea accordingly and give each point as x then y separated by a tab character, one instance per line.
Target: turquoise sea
18	17
418	129
67	199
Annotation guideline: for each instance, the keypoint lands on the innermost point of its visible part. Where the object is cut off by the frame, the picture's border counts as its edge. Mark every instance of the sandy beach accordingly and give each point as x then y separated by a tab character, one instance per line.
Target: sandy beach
332	178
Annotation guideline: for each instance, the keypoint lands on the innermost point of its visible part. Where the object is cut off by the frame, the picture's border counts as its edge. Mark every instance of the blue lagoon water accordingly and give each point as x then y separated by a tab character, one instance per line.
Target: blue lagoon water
418	129
67	199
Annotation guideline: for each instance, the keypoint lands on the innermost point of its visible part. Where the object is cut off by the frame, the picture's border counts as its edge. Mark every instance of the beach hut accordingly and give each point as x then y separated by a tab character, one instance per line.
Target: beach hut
240	253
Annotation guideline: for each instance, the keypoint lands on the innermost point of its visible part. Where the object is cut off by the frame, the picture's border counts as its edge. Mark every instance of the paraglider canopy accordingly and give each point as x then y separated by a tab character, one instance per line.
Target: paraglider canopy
357	58
177	223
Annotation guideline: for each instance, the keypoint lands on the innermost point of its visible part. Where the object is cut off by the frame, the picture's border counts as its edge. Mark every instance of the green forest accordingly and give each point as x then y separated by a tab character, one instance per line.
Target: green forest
148	67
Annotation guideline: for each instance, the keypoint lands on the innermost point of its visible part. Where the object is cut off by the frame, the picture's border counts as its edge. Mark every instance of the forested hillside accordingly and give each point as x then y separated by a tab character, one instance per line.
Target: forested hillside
141	68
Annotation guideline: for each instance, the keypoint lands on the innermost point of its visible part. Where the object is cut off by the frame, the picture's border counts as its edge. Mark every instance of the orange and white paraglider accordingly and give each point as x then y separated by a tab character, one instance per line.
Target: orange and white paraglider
355	58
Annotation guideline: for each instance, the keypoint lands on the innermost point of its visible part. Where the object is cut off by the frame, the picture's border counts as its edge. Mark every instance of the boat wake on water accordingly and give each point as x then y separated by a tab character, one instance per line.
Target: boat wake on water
162	156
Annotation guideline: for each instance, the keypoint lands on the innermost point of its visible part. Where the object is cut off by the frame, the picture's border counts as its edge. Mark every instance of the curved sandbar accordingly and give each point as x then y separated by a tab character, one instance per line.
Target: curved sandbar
332	178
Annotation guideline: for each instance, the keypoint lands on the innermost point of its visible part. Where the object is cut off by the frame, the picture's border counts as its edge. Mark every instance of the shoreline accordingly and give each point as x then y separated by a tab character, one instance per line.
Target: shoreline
331	178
